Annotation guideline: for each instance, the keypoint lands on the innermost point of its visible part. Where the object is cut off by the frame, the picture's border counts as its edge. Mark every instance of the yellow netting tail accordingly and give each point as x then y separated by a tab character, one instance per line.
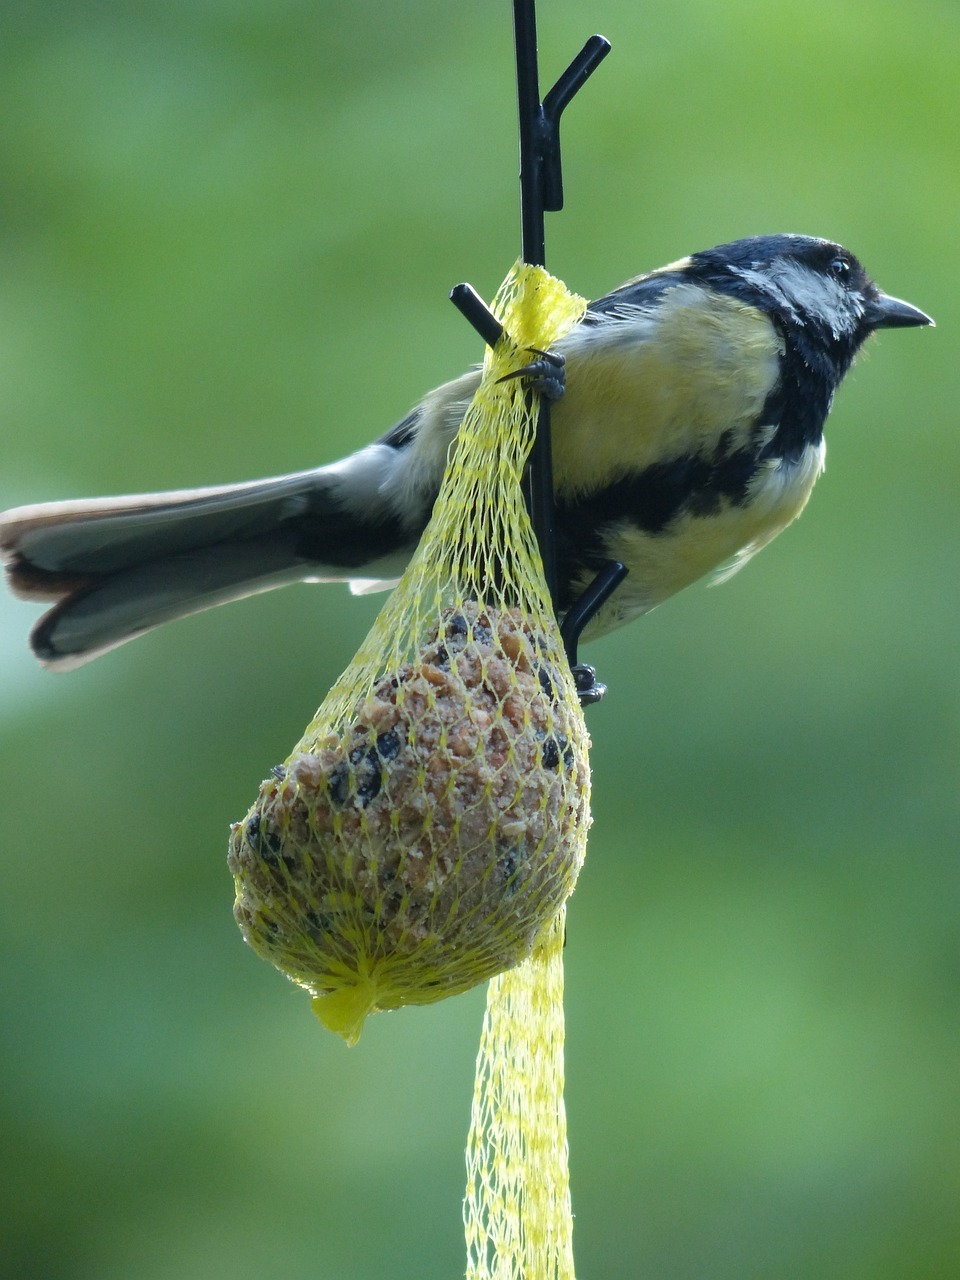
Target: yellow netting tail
517	1206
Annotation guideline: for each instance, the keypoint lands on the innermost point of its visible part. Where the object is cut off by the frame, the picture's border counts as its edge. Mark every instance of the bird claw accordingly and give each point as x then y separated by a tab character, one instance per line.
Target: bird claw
589	688
547	376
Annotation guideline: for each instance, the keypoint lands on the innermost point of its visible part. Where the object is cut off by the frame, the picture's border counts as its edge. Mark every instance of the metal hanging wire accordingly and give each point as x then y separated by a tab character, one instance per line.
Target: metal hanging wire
541	190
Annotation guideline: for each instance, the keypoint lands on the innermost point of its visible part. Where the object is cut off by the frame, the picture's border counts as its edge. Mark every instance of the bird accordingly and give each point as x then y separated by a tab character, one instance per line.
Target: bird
689	434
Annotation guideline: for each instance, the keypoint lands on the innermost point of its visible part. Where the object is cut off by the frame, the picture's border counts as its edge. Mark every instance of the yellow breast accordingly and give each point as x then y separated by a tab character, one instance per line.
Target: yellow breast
660	385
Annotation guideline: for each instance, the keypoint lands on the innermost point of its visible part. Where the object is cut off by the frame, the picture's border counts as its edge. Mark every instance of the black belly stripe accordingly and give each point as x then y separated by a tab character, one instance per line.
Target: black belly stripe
651	500
659	494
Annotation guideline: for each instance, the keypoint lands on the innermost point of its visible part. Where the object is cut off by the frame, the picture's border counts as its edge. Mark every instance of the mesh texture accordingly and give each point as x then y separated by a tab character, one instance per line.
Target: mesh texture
430	824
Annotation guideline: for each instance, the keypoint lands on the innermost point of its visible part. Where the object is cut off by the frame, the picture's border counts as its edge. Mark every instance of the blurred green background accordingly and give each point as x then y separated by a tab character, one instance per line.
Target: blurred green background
227	231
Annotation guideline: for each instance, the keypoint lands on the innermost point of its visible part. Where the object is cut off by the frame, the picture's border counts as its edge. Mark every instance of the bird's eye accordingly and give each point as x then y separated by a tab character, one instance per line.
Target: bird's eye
839	267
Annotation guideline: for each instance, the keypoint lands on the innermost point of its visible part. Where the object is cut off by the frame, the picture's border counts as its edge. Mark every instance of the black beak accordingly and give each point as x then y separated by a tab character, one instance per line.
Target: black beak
884	312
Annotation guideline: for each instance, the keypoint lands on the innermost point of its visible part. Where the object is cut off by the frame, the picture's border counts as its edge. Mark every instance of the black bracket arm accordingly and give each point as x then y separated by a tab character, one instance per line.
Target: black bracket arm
541	189
589	688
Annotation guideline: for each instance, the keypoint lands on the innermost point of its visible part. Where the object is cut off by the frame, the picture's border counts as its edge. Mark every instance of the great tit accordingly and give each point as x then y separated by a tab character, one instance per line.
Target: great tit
689	435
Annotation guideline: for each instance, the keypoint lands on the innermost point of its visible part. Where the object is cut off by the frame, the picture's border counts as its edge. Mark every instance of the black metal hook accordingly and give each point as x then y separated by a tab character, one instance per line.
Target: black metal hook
541	189
541	186
567	86
587	606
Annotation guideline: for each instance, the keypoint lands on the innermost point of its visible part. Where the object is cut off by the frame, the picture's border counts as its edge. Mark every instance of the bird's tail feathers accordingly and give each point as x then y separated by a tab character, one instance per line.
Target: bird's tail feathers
116	567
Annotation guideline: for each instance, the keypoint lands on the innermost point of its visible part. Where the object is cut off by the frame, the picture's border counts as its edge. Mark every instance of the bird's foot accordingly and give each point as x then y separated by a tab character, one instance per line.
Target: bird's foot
547	376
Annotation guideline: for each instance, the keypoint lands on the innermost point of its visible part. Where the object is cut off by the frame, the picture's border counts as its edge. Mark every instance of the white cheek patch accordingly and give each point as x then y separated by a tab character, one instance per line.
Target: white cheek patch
803	292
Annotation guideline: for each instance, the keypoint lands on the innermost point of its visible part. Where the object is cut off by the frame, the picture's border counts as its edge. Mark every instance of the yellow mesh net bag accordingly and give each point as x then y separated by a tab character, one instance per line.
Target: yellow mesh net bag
426	830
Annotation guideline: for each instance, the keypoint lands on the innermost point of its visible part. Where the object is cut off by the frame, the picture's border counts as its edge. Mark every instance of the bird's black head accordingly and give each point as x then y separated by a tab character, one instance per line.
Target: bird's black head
824	305
816	291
